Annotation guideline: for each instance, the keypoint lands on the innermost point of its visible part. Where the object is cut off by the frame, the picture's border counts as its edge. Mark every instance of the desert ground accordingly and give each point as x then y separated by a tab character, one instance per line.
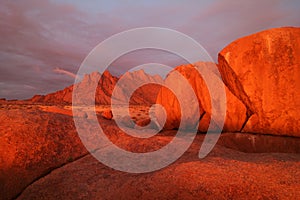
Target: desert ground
42	157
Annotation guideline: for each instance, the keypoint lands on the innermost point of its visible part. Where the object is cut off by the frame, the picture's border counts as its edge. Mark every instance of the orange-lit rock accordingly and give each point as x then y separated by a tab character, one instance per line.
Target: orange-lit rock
127	122
143	122
223	174
263	71
145	94
235	110
32	143
107	114
104	89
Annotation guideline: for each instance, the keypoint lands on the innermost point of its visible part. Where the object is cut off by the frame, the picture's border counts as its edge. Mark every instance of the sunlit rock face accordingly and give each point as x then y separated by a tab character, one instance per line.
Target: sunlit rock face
99	88
263	71
262	77
147	87
32	143
235	109
104	83
169	97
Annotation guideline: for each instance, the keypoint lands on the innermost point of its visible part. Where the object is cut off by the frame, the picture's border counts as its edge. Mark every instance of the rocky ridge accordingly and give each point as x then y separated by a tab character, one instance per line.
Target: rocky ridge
144	95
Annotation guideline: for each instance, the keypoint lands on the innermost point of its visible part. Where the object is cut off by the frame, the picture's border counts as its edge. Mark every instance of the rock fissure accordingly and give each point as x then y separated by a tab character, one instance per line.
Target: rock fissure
245	122
47	173
232	82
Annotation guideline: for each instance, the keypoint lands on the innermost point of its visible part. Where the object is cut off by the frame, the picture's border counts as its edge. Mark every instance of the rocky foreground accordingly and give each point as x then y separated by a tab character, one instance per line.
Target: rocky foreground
42	157
224	174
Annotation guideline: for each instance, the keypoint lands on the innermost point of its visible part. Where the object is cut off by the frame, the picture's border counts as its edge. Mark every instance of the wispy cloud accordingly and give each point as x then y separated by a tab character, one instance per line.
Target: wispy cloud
62	71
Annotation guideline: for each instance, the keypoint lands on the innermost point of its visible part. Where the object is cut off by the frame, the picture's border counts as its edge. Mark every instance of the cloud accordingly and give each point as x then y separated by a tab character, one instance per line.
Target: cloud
223	21
62	71
43	41
34	40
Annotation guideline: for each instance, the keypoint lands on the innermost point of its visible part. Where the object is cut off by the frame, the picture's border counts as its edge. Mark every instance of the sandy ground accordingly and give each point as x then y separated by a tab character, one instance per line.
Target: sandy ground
136	111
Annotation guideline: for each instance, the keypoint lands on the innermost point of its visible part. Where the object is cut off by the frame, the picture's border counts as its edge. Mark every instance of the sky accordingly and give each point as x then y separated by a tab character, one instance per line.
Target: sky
43	43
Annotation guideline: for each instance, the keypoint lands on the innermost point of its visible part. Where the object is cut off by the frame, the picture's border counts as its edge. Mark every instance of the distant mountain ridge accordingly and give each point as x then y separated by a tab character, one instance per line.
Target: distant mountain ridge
145	95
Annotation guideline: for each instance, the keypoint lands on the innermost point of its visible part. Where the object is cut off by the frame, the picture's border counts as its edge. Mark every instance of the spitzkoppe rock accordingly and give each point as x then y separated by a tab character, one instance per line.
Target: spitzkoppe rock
145	95
262	77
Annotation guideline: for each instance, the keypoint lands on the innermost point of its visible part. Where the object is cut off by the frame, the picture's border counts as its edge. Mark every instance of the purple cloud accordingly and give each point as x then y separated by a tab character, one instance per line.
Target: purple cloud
44	42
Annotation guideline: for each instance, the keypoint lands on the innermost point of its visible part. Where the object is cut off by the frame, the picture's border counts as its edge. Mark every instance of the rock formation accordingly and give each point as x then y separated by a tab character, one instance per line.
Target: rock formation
263	71
107	114
262	77
144	95
42	156
32	143
235	113
224	174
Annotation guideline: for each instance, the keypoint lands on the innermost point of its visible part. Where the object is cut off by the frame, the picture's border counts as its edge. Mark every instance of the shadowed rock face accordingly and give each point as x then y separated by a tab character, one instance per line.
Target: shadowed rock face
105	84
263	71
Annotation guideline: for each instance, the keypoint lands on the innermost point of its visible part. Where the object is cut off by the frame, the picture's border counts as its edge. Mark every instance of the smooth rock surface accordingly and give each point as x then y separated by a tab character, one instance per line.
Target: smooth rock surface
235	110
263	71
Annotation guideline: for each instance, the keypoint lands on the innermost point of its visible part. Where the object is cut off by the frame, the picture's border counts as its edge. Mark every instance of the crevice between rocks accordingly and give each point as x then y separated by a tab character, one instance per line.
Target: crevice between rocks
49	172
245	122
201	116
232	82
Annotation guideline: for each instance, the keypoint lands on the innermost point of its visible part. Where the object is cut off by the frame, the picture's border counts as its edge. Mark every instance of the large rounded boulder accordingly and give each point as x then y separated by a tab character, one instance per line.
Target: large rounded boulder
263	71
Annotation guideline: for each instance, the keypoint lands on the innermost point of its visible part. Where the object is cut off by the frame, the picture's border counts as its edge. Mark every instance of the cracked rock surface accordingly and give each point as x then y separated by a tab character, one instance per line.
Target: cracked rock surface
32	143
41	157
224	174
